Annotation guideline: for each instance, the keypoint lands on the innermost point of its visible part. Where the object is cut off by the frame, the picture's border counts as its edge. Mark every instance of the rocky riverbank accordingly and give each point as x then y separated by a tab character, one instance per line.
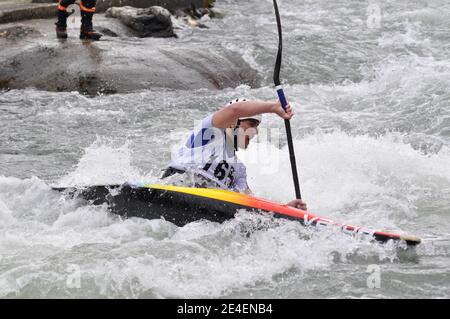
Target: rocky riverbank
13	11
125	60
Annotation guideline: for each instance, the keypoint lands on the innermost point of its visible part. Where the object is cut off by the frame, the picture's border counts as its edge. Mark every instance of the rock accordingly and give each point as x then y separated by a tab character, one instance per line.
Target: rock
172	5
18	32
216	14
180	13
203	11
150	22
115	64
106	31
14	11
193	23
11	11
194	12
192	16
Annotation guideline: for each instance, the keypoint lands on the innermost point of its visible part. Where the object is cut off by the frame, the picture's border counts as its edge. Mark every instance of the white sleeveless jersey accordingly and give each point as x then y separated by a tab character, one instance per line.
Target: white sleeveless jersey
208	153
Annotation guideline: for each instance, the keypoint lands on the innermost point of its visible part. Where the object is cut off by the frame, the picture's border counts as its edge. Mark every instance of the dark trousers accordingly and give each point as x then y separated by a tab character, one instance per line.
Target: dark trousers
200	181
171	171
87	9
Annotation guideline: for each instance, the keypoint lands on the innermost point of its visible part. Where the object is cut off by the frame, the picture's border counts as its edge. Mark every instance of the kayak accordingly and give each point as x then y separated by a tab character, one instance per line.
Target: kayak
183	205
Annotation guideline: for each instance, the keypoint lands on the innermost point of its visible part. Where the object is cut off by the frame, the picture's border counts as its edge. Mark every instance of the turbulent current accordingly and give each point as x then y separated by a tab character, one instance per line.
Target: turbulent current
370	85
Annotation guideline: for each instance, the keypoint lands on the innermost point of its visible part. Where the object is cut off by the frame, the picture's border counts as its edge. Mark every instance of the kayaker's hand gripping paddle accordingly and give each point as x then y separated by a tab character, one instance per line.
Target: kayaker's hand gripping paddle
282	97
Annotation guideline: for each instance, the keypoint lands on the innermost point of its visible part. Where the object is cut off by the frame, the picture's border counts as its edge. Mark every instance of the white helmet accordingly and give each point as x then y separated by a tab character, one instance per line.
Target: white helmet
257	117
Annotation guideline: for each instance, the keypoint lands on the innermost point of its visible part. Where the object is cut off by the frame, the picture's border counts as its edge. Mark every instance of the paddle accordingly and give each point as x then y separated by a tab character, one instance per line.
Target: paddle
282	97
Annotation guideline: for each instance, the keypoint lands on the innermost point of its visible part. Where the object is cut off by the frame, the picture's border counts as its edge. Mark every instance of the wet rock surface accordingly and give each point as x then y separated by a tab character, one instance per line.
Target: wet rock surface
16	33
31	56
149	22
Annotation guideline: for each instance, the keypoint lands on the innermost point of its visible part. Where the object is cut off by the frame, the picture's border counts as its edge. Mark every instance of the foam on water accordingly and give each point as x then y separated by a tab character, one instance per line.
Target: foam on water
340	172
371	134
45	235
103	164
140	258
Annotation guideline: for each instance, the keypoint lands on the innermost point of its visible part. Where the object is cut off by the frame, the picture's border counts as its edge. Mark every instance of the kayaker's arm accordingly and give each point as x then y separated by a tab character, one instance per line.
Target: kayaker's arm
228	116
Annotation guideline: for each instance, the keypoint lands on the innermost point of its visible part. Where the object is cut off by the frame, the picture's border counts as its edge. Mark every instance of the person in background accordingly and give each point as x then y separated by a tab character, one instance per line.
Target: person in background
87	9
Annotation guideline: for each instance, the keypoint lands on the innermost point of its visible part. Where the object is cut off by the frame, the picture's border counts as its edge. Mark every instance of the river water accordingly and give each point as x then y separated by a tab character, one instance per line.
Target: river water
370	85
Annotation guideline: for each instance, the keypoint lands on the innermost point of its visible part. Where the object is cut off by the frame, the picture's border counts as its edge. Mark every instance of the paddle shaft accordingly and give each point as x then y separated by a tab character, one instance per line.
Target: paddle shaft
283	101
287	124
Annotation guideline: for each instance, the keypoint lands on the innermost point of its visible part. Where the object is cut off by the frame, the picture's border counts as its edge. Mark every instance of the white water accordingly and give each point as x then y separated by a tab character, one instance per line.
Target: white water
371	133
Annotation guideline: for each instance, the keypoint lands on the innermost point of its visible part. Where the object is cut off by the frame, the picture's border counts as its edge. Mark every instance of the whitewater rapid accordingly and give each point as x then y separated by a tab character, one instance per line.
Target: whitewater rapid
372	139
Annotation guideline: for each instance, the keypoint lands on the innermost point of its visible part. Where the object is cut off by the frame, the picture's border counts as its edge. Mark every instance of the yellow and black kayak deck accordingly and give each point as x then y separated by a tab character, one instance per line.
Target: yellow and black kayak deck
182	205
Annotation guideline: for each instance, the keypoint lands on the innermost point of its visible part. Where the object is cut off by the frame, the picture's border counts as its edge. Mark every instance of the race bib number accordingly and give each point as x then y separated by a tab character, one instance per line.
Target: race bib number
222	171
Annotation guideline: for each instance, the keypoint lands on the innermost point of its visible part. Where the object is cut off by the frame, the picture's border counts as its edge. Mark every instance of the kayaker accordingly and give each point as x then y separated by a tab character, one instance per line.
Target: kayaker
208	158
